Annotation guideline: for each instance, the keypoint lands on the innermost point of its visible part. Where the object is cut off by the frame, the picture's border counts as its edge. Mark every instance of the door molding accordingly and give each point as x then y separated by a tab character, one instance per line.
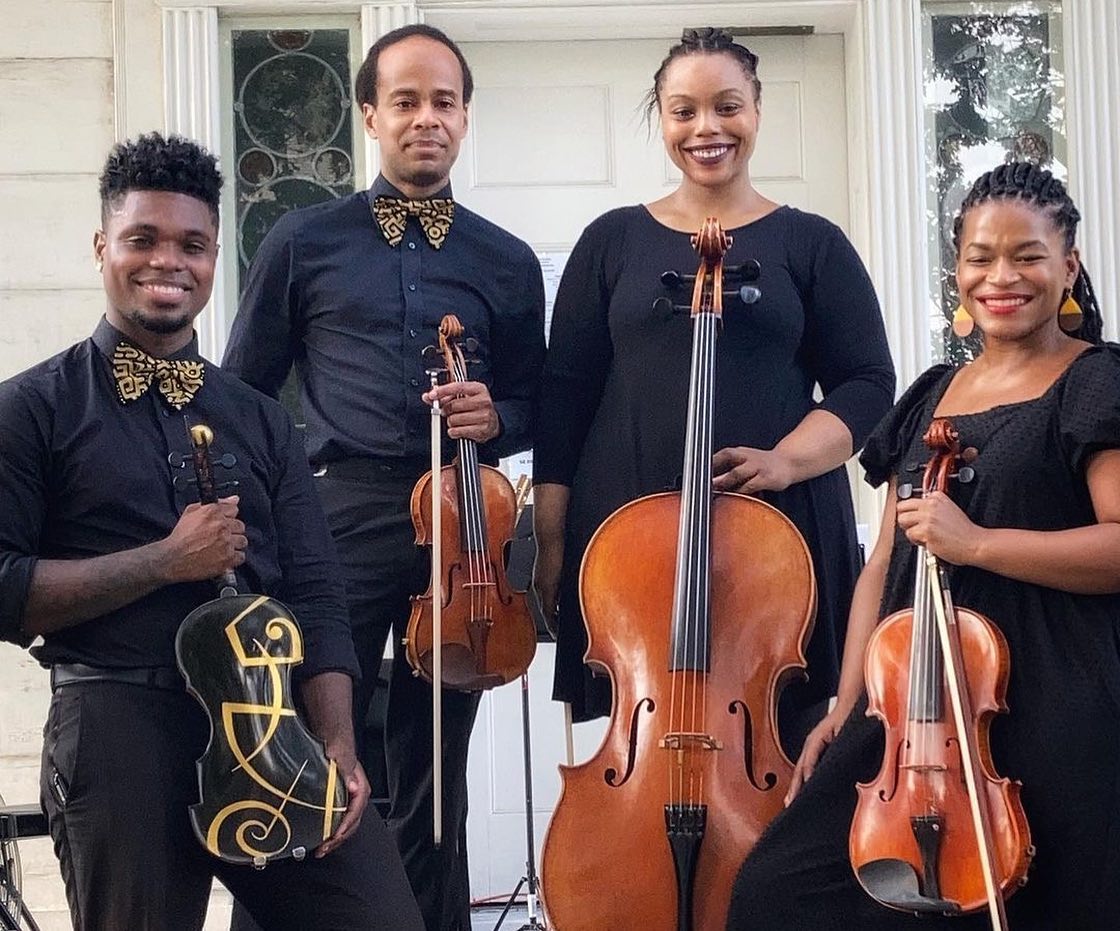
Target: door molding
886	153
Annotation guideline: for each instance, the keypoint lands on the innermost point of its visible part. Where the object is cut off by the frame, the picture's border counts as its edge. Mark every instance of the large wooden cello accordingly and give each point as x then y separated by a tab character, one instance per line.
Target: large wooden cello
937	831
697	605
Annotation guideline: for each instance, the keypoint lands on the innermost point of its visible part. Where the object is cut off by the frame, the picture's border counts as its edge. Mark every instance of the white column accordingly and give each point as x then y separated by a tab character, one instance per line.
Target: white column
378	19
1091	33
898	237
192	108
120	69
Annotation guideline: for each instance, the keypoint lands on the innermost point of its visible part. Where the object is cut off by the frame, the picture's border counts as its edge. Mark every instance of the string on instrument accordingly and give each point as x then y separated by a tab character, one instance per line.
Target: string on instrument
692	592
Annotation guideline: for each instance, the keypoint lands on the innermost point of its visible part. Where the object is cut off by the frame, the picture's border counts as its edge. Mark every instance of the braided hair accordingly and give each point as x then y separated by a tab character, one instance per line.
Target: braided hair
1034	185
707	41
153	163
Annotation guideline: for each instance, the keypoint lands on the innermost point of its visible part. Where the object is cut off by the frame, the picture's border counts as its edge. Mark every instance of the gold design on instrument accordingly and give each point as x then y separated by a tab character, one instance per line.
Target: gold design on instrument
328	809
249	824
253	831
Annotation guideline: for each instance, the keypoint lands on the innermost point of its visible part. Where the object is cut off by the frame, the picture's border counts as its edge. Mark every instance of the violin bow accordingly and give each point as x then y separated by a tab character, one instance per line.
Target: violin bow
437	619
956	685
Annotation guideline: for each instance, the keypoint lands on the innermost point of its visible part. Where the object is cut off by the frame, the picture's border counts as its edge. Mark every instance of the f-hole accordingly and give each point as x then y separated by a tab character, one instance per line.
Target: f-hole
611	775
769	780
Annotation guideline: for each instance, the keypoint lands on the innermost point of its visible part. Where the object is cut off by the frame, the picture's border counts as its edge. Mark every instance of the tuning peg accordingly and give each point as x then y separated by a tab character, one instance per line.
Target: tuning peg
965	474
666	307
470	344
908	490
745	271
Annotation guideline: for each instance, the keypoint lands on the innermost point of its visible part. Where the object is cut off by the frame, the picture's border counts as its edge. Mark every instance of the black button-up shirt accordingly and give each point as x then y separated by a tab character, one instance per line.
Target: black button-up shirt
84	475
328	293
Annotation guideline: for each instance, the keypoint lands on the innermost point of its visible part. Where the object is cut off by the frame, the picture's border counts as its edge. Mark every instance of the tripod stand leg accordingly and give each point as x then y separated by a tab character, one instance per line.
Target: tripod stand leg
509	903
530	877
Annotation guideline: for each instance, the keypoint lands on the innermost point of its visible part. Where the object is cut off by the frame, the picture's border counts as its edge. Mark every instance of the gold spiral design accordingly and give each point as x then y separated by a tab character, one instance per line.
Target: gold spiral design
262	829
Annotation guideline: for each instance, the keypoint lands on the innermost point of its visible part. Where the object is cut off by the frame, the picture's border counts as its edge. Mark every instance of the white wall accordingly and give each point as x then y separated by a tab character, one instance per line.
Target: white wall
56	114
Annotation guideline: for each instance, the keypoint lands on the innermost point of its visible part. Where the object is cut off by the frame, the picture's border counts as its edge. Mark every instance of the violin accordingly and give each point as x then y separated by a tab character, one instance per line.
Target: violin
487	633
267	789
698	606
937	831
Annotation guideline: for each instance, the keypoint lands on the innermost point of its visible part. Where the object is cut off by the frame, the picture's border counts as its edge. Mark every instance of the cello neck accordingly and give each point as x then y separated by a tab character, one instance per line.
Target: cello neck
691	636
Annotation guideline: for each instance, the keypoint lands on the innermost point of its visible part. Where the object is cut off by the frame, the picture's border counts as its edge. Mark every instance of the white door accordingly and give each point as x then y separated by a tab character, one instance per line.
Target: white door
558	137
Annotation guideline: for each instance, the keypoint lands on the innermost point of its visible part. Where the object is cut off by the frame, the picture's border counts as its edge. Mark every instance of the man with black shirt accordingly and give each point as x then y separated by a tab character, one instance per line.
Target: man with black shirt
104	550
351	292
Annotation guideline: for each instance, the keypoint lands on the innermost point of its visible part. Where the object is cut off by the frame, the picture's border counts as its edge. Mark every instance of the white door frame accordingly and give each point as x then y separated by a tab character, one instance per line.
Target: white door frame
886	151
882	43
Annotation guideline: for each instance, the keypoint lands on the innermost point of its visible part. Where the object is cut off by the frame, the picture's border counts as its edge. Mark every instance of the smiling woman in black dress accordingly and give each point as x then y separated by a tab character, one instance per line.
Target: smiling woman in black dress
1033	543
616	378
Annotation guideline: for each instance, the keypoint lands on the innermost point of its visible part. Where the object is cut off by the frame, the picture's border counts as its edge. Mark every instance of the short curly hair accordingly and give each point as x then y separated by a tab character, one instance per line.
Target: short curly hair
152	163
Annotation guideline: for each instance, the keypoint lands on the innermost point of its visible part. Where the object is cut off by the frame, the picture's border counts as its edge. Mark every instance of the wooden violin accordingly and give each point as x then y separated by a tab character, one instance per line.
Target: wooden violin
487	633
267	789
938	831
698	606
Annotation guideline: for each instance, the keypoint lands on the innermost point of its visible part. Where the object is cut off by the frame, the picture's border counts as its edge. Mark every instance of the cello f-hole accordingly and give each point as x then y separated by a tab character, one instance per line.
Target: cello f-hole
610	776
769	780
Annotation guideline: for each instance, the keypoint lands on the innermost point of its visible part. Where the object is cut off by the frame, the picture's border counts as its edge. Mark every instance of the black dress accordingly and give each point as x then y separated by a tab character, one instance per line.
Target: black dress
615	393
1062	735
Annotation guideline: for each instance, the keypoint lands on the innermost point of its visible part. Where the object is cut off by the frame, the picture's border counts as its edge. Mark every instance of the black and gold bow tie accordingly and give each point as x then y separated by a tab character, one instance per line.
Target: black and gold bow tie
435	216
178	380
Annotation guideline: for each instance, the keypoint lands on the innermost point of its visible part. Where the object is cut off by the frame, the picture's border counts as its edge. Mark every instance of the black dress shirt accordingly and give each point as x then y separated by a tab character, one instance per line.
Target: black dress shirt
85	475
328	293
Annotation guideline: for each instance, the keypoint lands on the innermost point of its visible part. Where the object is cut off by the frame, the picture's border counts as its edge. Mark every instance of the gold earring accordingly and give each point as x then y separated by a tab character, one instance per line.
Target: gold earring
962	322
1070	316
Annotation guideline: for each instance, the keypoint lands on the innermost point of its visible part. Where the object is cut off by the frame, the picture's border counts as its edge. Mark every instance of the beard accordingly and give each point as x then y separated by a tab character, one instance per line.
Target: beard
164	326
426	177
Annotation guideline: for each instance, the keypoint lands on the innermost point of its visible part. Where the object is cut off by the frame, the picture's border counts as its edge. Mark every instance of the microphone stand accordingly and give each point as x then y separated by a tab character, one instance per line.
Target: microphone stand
530	878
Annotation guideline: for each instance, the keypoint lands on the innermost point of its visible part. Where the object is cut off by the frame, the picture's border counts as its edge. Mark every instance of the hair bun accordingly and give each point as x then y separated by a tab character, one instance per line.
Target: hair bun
707	39
716	39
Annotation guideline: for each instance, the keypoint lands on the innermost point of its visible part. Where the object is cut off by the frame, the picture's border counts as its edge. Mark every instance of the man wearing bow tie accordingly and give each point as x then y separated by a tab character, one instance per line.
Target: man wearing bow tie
350	293
104	549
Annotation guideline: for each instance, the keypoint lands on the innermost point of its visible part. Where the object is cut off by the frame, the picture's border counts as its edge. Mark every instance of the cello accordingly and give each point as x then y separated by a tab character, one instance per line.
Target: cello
698	606
267	789
937	832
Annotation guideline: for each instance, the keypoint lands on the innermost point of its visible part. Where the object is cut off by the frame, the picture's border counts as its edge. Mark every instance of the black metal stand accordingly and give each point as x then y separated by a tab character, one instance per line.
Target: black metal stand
530	877
16	821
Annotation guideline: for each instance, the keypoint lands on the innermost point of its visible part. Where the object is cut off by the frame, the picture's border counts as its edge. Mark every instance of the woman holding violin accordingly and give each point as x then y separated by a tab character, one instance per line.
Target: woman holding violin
616	376
1032	542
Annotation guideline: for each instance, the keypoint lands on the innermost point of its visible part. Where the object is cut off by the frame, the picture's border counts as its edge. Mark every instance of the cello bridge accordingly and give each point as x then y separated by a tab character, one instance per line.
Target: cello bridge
684	740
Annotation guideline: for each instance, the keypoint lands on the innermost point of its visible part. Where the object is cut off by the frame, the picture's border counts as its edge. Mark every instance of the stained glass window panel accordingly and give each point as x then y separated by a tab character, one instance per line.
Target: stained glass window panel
293	135
994	92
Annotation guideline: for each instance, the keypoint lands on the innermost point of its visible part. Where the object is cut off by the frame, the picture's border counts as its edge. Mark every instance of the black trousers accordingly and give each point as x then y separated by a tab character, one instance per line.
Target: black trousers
117	779
368	510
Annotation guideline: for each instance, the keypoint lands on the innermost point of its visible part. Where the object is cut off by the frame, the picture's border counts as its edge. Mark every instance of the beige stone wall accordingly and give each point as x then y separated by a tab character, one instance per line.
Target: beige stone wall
56	120
56	110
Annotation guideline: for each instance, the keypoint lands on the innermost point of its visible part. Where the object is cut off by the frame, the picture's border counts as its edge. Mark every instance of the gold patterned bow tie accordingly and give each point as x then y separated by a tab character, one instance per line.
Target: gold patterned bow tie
435	216
178	380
